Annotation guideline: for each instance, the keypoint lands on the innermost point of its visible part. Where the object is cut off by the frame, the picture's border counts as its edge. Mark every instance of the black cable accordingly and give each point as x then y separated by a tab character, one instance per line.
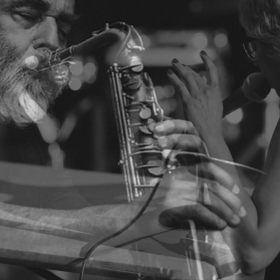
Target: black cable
93	247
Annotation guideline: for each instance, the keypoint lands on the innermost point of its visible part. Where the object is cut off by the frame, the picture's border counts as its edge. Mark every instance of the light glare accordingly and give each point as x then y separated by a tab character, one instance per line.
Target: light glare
75	83
200	40
221	40
235	117
77	68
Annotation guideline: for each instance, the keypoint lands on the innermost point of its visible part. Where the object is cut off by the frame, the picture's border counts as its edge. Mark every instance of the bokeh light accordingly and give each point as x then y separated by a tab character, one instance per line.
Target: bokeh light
90	72
168	106
235	117
75	83
77	67
164	92
200	40
146	40
169	91
82	71
221	40
159	92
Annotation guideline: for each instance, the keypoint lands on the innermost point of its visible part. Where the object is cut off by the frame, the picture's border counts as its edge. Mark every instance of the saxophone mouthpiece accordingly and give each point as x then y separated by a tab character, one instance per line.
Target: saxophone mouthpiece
99	41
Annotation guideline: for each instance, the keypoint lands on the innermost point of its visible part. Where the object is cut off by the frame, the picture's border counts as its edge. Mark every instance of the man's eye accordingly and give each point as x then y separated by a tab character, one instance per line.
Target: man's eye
29	17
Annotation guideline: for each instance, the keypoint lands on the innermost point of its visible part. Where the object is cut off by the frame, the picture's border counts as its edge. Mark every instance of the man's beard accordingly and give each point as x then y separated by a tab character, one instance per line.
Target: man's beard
25	95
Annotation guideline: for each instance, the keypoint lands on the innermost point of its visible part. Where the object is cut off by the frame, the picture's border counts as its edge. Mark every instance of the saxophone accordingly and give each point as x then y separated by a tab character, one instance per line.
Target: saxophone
143	162
135	102
137	111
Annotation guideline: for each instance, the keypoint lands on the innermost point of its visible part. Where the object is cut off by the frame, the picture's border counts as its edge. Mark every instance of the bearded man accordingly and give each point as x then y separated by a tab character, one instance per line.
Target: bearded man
30	28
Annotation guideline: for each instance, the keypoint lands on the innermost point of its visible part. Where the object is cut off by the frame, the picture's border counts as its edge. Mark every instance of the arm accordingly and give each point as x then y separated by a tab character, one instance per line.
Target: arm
255	241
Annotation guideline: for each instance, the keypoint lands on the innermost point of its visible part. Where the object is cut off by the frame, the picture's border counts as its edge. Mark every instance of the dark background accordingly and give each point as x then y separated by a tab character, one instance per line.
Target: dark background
93	145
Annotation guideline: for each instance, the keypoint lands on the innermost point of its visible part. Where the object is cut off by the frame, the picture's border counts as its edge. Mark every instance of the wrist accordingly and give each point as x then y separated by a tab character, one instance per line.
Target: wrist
212	135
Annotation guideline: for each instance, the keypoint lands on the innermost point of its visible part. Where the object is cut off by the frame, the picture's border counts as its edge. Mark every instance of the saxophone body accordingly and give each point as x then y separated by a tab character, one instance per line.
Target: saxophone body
137	111
135	103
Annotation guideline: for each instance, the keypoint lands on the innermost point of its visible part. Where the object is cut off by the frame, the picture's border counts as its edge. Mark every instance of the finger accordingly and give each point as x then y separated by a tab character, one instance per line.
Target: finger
179	85
186	74
201	81
222	177
228	197
222	185
174	127
178	217
219	206
204	79
205	76
180	141
215	173
211	68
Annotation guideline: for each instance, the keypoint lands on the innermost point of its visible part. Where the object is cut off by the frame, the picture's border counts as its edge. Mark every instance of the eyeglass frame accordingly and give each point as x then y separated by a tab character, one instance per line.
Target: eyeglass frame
251	55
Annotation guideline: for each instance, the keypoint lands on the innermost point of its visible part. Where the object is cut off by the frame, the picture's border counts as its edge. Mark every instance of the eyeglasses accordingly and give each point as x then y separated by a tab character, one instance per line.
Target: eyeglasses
250	47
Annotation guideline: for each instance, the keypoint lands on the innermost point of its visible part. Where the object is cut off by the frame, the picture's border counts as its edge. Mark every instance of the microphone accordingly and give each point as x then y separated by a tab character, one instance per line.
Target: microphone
254	89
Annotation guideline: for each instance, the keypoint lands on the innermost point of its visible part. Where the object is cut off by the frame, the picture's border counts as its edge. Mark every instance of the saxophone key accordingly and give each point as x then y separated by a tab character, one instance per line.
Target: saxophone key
128	96
152	126
155	181
144	129
148	143
145	113
132	84
135	124
157	167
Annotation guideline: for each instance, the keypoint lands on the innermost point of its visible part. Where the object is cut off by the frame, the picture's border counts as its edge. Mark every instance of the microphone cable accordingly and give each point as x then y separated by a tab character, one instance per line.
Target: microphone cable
126	227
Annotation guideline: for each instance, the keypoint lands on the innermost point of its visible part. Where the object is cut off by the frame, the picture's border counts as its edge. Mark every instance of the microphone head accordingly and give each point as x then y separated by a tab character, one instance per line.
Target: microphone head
256	87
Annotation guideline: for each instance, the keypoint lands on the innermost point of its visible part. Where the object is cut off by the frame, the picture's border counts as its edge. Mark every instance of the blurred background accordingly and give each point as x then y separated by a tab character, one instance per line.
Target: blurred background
82	131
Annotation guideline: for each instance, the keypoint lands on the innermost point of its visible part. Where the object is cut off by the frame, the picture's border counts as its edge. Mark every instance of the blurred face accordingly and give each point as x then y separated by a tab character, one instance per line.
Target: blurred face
28	28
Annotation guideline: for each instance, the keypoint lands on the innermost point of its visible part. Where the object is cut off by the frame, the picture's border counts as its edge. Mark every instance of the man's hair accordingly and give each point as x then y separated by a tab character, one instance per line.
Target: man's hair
261	20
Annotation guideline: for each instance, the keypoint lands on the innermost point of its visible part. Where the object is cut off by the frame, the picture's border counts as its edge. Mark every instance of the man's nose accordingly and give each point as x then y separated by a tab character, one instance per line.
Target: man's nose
47	34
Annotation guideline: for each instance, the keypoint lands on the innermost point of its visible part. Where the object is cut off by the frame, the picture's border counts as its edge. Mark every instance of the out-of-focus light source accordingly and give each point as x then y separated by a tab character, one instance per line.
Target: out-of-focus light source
168	106
231	132
221	40
164	92
146	40
90	72
200	40
169	91
75	83
235	117
77	68
159	92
